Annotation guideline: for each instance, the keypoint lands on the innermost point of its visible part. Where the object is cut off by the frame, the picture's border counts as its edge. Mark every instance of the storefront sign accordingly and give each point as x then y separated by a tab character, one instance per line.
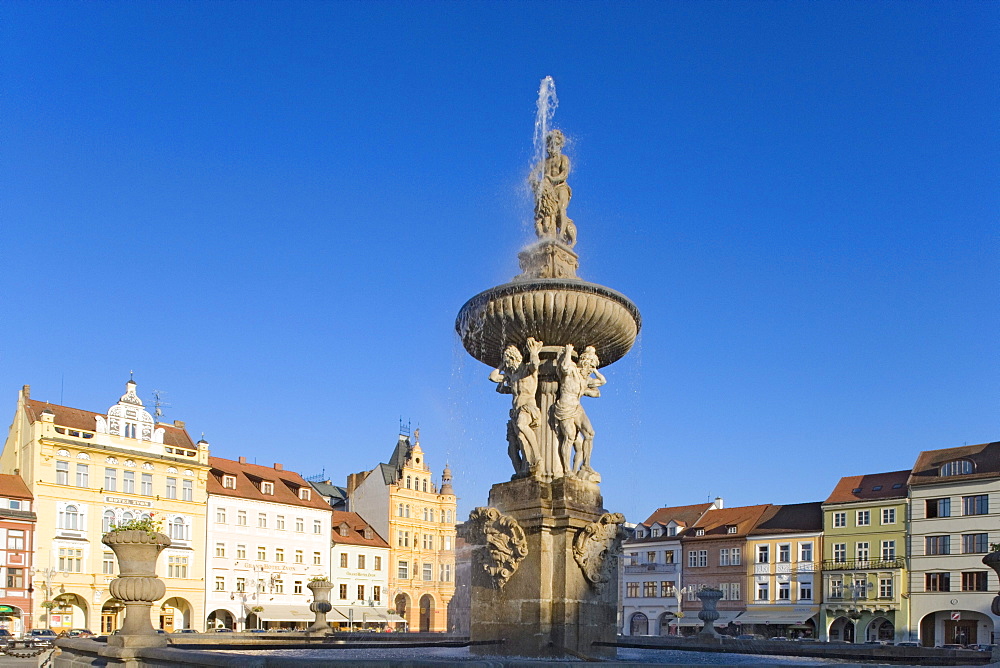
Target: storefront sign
128	502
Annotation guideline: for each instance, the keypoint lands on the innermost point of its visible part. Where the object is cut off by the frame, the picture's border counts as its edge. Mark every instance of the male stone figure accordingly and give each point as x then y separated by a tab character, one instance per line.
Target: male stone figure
575	382
520	378
552	193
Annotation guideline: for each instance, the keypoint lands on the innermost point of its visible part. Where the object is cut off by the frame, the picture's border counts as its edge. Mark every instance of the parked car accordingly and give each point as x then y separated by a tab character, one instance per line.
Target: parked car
908	643
222	630
184	631
983	648
79	633
40	637
748	636
952	645
5	637
779	638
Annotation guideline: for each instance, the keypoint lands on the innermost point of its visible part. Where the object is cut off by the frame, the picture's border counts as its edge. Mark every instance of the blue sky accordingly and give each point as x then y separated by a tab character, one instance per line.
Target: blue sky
272	212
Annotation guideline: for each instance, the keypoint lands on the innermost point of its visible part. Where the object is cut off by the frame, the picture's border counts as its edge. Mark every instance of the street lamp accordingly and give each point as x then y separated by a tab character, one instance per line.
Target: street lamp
46	574
678	594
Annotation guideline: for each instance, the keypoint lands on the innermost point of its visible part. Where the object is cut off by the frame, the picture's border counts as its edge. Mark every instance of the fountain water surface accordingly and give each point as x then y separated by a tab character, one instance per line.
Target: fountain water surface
545	550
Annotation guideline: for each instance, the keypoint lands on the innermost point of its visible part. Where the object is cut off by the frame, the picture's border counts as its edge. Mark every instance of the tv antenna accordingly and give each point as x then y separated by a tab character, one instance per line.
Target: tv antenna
159	404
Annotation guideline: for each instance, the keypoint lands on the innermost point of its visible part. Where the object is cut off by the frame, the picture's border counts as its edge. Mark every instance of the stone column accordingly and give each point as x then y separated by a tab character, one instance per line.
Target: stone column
709	599
320	605
137	585
545	604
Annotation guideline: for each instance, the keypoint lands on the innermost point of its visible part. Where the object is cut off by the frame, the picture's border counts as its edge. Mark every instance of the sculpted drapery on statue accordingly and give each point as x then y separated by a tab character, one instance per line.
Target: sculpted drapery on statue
559	442
552	193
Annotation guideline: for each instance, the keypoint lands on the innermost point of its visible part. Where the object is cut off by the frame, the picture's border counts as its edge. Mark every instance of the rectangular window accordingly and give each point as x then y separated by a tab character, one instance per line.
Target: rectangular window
297	587
885	587
15	539
229	481
784	553
937	545
171	488
261	553
888	550
343	592
428	572
784	591
70	560
241	518
361	592
668	557
279	523
82	475
805	591
146	484
62	473
110	480
220	515
128	482
377	593
648	589
632	589
177	567
938	582
736	556
279	586
651	557
343	560
300	525
840	552
666	588
839	520
361	562
279	554
763	593
938	507
267	488
971	581
220	549
724	557
975	505
220	583
304	493
805	551
187	491
261	521
317	559
403	571
445	573
836	589
975	543
317	526
888	516
298	556
241	584
734	591
864	518
108	563
15	578
763	554
241	551
378	563
862	550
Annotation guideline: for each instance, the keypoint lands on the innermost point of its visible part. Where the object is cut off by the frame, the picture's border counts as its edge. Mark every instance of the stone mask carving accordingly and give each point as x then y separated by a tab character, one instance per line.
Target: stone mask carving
597	546
504	542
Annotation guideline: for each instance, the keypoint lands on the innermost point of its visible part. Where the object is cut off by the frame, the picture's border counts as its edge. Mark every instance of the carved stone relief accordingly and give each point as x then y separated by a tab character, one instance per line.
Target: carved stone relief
597	546
503	540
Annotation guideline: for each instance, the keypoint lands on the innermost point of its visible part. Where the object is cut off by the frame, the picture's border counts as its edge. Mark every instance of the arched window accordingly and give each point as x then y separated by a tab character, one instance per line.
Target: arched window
399	510
176	528
71	518
406	510
109	519
127	516
408	482
957	467
425	484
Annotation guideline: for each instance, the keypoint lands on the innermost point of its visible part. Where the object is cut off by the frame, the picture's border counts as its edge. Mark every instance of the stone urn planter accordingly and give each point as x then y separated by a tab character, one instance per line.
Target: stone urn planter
709	599
137	585
320	605
993	561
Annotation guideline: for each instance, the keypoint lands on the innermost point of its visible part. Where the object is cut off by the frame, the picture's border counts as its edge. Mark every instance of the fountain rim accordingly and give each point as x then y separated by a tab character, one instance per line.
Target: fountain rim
575	284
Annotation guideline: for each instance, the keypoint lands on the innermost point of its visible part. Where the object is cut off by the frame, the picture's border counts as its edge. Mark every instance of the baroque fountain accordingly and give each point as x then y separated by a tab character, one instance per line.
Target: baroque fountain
545	550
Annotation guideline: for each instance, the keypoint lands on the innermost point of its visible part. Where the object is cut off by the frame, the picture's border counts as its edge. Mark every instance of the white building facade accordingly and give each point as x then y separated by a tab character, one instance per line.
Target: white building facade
359	570
268	536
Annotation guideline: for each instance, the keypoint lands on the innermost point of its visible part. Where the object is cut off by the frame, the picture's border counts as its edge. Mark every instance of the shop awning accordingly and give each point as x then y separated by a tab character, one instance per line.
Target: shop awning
783	615
286	613
691	619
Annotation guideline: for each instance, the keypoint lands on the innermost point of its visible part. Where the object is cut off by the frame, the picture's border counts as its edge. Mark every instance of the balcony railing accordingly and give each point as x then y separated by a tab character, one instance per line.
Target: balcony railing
651	568
863	564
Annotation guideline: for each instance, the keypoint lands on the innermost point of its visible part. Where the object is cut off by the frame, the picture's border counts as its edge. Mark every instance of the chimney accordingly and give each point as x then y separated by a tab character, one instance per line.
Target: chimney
718	502
243	460
278	467
26	391
179	424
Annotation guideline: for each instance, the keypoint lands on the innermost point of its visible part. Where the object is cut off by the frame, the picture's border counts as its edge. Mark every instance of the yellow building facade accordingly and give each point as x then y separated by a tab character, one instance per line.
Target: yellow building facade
89	470
418	519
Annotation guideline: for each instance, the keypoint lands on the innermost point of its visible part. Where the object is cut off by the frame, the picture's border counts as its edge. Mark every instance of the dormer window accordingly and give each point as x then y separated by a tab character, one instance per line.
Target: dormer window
305	493
671	531
345	530
731	529
655	532
957	467
367	533
267	488
699	532
639	533
229	481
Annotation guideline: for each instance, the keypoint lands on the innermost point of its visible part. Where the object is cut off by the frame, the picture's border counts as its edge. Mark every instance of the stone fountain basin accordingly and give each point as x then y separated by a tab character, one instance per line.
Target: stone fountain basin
555	311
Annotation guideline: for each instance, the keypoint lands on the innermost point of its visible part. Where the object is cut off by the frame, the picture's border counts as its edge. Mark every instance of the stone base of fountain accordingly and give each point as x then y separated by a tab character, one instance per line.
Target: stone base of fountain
546	604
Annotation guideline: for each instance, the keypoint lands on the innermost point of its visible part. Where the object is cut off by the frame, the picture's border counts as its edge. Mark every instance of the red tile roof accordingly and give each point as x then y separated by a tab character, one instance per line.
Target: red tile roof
790	518
865	485
985	459
716	522
681	515
77	418
12	487
355	535
248	478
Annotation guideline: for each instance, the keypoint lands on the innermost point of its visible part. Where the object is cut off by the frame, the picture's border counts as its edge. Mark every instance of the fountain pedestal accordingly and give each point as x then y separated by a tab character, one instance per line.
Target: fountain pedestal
548	607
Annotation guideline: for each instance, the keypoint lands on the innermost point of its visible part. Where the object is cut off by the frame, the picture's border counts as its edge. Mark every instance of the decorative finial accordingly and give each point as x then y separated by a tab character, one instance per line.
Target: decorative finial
131	375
